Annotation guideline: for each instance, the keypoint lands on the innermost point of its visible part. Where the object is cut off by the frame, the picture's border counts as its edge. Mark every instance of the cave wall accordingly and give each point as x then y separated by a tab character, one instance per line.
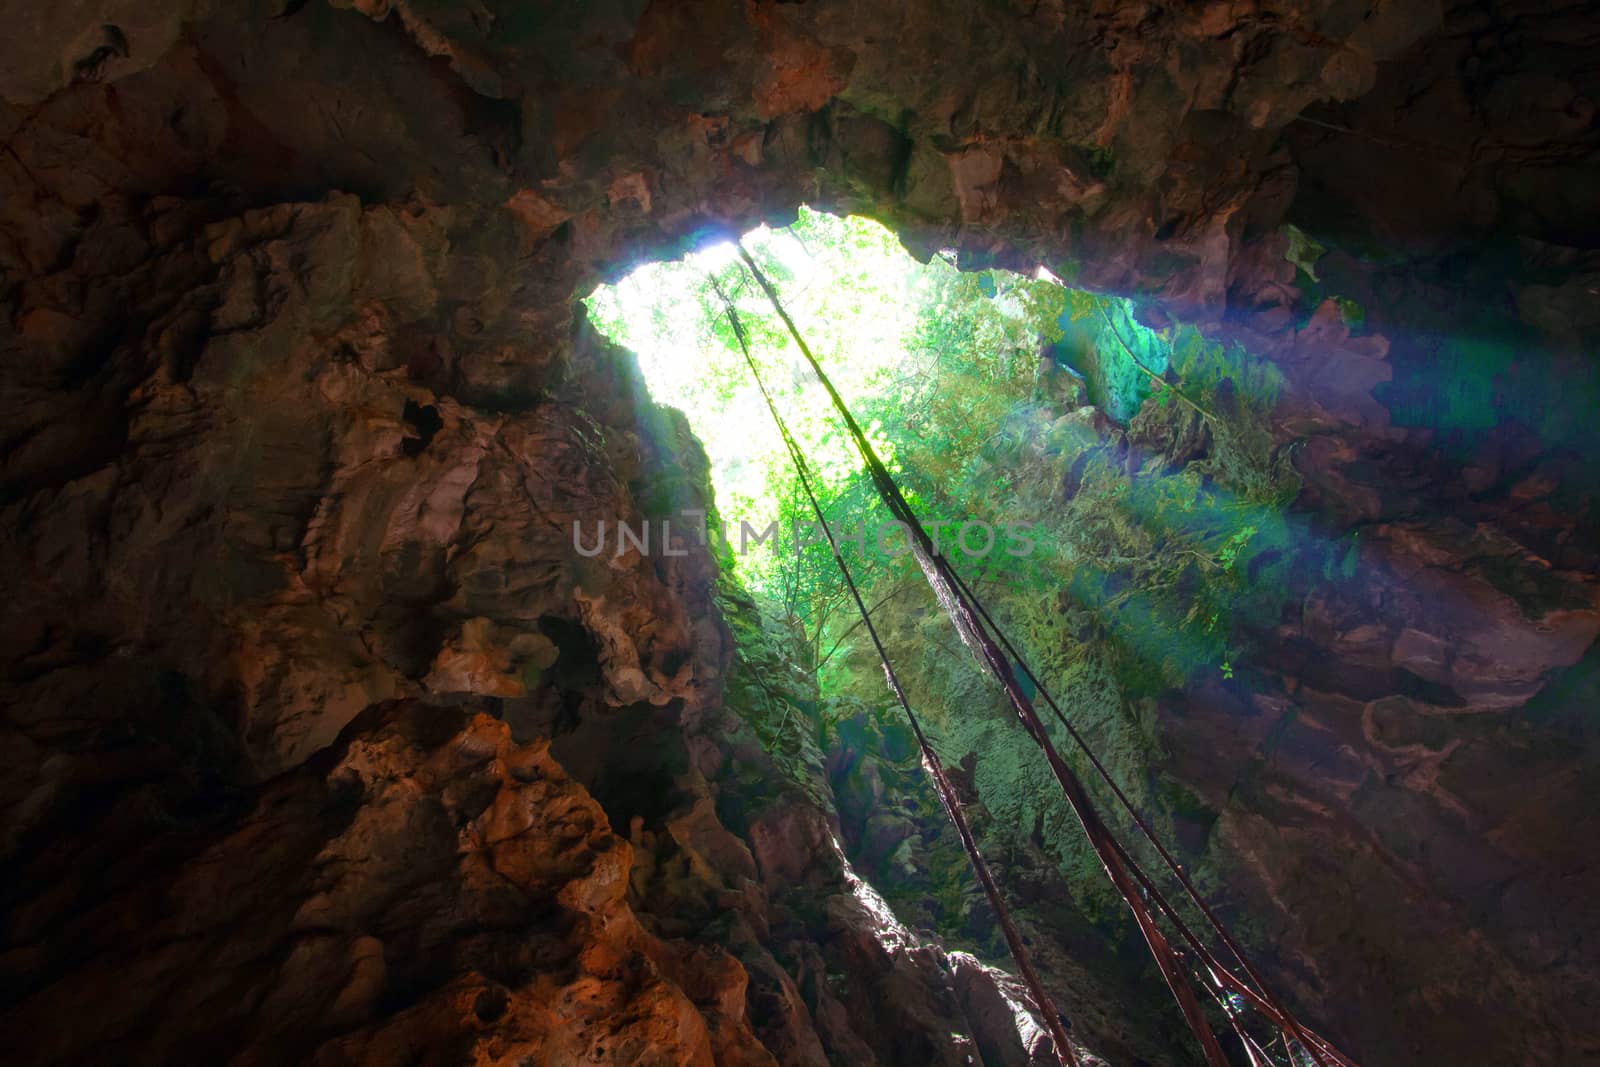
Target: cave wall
298	412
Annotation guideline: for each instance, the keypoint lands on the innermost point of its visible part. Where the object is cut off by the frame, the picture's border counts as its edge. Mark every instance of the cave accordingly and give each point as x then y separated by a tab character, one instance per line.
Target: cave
325	741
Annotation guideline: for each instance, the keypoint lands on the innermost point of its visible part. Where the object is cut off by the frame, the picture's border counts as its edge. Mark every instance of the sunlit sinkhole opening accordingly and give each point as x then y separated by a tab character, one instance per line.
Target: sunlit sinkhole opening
1117	492
1060	449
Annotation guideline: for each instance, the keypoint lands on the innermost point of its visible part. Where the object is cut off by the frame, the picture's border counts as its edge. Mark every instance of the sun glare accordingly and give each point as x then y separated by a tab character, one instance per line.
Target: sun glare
849	285
934	361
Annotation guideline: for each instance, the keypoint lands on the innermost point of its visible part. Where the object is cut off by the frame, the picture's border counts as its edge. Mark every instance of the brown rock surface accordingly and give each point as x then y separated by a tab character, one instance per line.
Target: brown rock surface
298	418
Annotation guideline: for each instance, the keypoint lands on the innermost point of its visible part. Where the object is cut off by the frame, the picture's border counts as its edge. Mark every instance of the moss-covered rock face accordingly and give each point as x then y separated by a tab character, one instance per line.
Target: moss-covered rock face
300	417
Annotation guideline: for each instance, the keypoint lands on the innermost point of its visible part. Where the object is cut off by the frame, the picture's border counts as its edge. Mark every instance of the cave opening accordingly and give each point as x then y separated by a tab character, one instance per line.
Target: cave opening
943	367
1109	475
1111	481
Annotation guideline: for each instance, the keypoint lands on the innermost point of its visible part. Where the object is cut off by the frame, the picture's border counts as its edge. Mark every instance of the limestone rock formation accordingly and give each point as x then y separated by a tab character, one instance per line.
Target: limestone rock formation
324	741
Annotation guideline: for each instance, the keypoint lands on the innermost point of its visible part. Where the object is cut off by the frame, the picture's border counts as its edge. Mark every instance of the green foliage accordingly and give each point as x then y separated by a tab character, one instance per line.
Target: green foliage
1160	540
942	368
932	359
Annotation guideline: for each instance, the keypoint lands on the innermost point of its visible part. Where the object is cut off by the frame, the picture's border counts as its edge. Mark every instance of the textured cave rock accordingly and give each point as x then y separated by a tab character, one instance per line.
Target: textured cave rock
321	740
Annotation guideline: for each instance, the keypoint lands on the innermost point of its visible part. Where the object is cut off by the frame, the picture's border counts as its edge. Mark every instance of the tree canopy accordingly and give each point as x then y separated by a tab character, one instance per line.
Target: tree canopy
974	388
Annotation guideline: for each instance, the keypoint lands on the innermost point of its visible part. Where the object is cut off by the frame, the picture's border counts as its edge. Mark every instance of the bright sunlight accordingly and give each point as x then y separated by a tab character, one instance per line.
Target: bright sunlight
987	394
883	325
848	283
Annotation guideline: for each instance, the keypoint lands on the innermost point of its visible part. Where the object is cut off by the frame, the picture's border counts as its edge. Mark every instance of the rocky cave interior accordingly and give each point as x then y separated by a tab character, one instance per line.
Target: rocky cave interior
322	744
